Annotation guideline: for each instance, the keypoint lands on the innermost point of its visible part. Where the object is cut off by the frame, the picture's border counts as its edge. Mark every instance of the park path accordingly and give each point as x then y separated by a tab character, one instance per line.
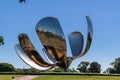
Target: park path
28	77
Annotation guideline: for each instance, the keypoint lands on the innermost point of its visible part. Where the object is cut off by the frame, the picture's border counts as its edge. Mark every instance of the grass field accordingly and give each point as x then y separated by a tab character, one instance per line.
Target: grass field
62	77
8	77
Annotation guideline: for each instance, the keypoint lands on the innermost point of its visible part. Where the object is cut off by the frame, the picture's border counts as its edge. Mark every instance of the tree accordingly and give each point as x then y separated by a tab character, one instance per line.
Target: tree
33	70
1	40
6	67
82	67
109	70
72	70
22	1
57	69
95	67
116	65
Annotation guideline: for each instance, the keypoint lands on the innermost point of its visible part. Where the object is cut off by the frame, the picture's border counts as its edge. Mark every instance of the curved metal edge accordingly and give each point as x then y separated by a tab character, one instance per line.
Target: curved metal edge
76	42
53	31
31	51
89	36
28	61
49	57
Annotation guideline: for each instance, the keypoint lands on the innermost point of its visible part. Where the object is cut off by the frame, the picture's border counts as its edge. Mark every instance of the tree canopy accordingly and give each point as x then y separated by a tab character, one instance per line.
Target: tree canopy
1	40
95	67
6	67
22	1
116	65
82	67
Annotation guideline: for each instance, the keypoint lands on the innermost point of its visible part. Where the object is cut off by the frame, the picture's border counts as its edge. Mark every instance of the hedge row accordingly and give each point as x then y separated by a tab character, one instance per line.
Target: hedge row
59	73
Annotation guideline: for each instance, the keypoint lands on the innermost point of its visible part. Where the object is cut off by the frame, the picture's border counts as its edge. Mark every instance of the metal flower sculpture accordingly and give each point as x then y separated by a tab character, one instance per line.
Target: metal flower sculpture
52	38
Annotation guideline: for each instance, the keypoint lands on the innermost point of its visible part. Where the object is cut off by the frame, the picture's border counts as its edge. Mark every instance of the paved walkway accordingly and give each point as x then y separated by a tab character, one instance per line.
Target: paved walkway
29	77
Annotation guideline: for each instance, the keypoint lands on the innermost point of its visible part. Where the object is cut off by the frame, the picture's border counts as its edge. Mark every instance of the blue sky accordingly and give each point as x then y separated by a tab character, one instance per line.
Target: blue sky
16	18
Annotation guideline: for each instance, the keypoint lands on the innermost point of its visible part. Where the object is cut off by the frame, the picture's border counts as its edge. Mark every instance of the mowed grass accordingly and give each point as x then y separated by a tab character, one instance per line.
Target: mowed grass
9	77
70	77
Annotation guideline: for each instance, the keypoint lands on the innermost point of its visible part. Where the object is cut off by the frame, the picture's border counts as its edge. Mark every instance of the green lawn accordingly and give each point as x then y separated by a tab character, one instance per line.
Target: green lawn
8	77
62	77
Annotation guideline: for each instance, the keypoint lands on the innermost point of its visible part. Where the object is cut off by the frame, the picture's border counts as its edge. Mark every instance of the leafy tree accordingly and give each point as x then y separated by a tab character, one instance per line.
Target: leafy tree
1	40
33	70
110	70
6	67
72	70
18	70
95	67
116	65
82	67
22	1
57	69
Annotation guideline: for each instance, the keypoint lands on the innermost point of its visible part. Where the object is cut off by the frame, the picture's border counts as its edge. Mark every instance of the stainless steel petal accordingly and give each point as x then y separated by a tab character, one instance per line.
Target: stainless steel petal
89	36
49	57
52	38
76	43
28	60
30	51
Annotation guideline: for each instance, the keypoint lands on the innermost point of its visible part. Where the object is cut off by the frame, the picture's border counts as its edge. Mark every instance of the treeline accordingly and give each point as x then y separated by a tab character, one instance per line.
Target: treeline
83	67
95	67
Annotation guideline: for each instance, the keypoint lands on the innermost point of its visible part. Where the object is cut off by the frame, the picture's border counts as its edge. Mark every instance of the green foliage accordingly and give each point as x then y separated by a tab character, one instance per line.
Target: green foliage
110	70
58	70
22	1
95	67
116	65
1	40
6	67
19	70
28	71
72	70
33	70
82	67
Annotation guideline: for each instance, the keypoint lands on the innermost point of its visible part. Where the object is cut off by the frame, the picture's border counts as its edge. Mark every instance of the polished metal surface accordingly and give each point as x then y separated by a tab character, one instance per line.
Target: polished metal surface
51	35
30	51
49	57
89	37
28	60
76	43
52	38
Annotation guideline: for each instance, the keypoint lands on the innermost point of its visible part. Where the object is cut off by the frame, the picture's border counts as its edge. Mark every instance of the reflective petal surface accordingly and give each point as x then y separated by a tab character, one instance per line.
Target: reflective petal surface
27	60
49	57
30	51
52	38
89	36
76	43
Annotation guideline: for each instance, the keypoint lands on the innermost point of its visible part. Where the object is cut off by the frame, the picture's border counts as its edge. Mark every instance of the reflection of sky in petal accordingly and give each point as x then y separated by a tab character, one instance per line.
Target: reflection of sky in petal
76	43
90	29
52	25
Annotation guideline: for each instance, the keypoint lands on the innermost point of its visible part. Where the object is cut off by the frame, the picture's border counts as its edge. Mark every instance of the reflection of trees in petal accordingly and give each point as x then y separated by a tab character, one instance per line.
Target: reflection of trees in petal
30	51
52	38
